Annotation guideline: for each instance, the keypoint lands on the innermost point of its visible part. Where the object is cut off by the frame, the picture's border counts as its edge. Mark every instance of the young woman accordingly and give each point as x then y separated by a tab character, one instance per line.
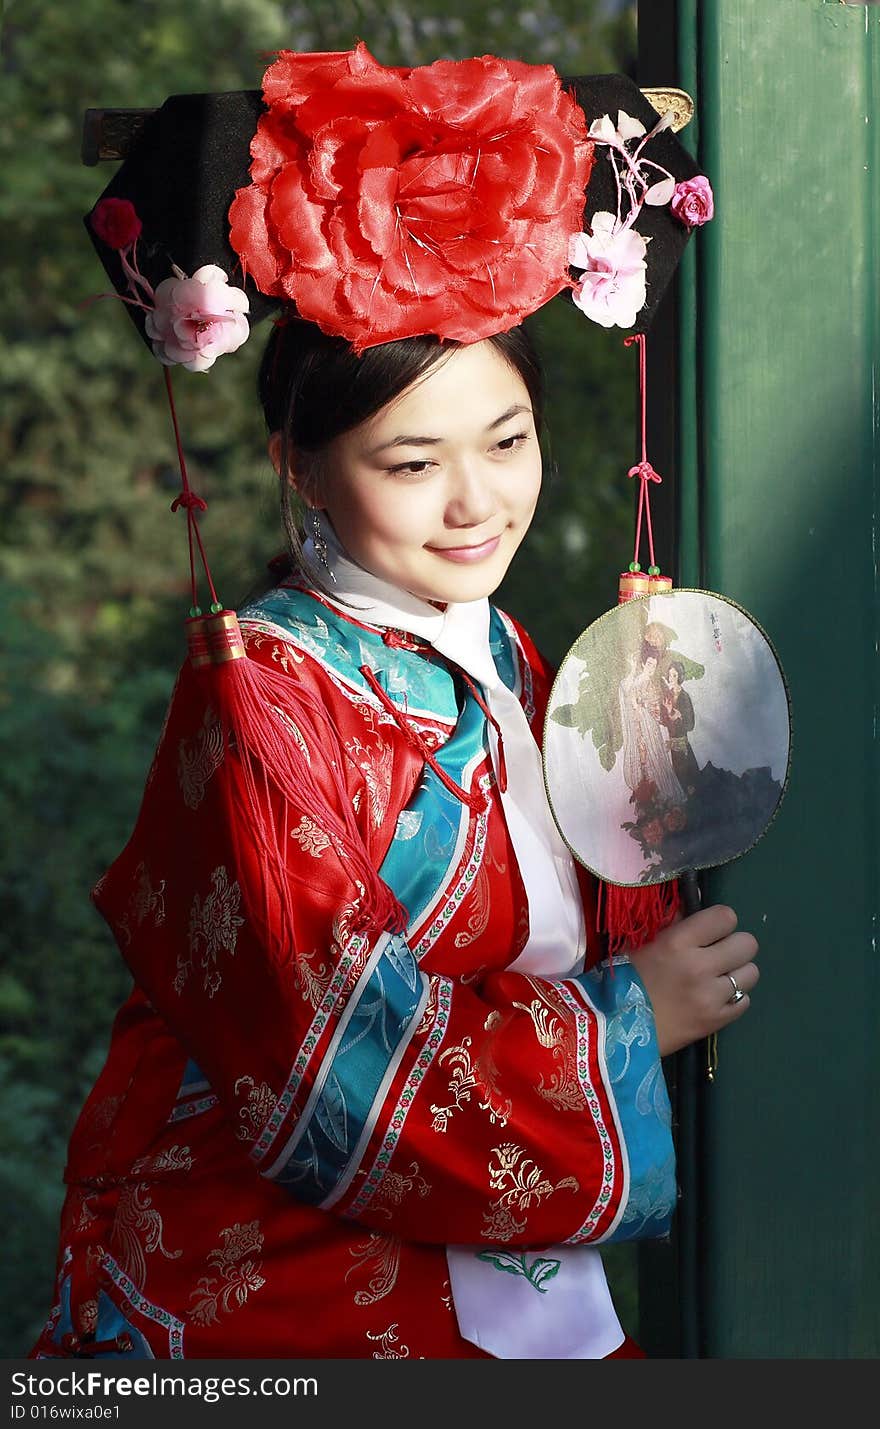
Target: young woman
375	1091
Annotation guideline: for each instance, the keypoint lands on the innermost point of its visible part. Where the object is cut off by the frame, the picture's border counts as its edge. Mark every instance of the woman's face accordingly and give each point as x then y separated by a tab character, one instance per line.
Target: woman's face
437	490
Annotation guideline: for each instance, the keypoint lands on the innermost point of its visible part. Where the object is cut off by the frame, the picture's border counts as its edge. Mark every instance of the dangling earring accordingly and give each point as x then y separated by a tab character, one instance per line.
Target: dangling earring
320	543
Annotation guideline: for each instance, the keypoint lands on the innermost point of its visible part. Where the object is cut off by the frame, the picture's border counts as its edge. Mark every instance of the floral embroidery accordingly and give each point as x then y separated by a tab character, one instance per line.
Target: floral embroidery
310	837
198	758
381	1253
239	1274
396	1185
501	1224
521	1182
260	1105
213	929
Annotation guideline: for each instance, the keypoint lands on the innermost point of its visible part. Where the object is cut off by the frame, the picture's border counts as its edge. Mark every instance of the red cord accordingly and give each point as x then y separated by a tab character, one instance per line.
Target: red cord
191	503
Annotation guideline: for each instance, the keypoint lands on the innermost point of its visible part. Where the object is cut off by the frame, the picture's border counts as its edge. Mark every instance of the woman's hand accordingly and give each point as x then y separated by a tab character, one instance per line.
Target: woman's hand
685	971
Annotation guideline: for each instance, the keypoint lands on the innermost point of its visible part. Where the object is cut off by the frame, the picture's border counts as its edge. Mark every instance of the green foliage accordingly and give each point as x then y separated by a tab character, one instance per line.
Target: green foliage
93	581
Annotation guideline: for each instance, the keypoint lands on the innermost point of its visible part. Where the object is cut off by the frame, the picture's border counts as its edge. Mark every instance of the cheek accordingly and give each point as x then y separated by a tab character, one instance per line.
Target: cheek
386	513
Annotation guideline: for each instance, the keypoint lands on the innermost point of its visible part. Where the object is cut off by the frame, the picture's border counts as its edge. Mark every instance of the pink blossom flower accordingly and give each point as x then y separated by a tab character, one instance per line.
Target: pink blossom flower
612	289
692	201
197	319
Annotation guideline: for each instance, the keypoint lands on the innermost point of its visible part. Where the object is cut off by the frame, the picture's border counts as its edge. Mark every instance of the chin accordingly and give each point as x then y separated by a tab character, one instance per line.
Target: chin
462	585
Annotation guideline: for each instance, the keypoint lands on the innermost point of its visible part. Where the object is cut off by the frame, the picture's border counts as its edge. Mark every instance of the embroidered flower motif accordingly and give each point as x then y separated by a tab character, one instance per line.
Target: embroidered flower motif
195	320
693	201
390	202
213	929
612	290
261	1101
310	837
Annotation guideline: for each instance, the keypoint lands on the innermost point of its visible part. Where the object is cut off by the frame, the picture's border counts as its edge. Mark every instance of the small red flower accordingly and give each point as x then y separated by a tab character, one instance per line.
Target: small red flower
653	831
116	223
387	203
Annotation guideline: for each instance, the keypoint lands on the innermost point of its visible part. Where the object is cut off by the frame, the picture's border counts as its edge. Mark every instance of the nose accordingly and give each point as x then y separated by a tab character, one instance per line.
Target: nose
471	497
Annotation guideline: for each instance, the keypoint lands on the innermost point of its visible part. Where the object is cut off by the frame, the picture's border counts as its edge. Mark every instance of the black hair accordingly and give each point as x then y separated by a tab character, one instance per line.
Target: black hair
314	387
678	667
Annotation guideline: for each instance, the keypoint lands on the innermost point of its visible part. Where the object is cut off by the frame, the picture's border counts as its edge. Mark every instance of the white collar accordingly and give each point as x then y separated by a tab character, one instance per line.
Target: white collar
460	632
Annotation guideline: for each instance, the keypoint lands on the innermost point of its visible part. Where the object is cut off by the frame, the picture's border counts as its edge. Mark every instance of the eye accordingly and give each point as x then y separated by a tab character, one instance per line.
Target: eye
512	444
410	468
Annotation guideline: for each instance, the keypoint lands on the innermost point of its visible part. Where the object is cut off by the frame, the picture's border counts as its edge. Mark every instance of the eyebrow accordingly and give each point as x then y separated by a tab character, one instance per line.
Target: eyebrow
408	441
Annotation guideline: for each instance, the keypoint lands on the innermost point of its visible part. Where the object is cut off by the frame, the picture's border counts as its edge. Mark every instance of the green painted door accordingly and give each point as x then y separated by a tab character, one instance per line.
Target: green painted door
773	445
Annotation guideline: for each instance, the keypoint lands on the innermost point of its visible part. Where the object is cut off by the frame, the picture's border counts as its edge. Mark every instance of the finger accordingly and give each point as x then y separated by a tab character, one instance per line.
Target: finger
710	924
735	988
731	952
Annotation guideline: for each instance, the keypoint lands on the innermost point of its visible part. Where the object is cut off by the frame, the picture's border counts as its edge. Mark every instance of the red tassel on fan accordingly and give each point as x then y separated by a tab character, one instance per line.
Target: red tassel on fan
260	711
631	917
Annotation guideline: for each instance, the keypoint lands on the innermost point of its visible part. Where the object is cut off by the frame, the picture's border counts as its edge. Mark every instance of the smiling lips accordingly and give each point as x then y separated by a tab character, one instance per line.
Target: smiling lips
467	553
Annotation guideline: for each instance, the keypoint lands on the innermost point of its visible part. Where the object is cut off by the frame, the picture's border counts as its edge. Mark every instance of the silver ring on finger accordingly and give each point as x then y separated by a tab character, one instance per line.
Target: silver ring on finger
737	995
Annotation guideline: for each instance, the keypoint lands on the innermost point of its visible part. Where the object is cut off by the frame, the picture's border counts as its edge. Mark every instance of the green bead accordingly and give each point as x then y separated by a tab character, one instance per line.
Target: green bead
195	610
216	608
653	570
634	567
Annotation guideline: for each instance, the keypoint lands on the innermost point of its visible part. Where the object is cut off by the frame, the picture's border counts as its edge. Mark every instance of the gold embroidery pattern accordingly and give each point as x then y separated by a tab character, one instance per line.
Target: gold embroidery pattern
461	1084
310	837
84	1213
136	1217
260	1104
548	1028
311	983
239	1274
145	900
173	1158
479	918
376	768
522	1184
498	1107
381	1255
279	654
388	1341
213	929
396	1185
559	1035
199	758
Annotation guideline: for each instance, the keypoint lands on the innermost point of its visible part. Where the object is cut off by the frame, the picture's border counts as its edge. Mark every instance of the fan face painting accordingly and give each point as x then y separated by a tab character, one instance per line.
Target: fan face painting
437	490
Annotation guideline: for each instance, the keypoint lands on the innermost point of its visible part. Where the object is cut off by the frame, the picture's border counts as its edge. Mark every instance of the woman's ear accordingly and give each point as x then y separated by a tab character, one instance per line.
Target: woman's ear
275	450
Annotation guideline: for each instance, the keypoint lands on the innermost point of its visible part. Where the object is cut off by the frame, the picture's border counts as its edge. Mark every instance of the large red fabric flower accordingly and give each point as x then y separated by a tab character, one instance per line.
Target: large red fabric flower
386	203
